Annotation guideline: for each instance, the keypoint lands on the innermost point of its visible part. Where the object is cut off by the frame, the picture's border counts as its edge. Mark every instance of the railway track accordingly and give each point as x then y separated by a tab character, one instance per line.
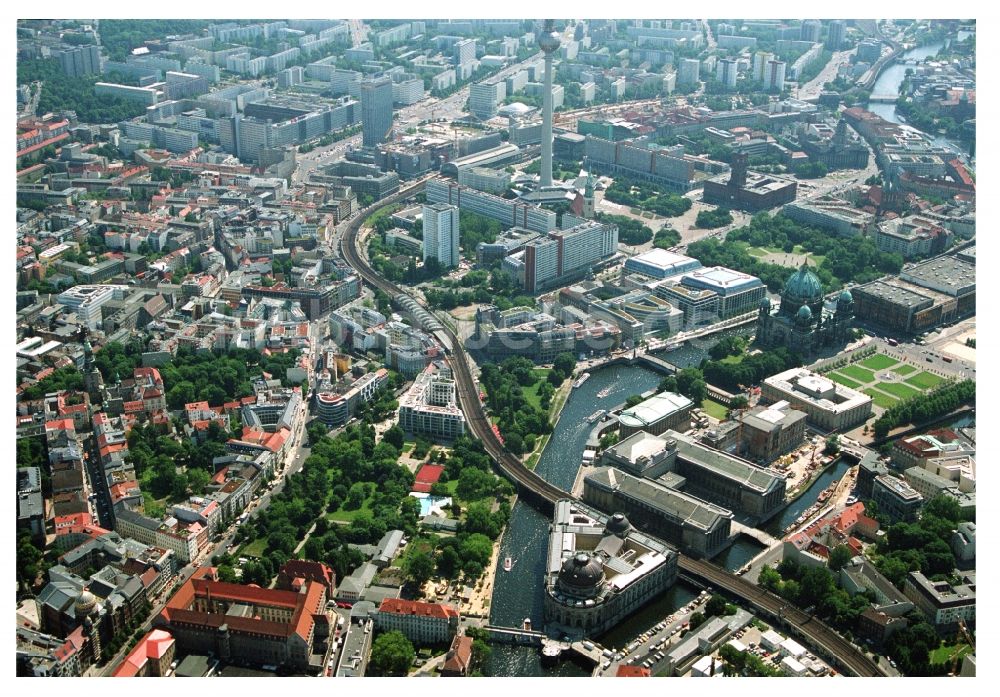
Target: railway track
836	648
468	394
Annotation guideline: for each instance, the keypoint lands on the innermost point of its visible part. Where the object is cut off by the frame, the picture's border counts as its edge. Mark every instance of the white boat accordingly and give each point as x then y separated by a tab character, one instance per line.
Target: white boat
580	380
605	391
508	564
596	415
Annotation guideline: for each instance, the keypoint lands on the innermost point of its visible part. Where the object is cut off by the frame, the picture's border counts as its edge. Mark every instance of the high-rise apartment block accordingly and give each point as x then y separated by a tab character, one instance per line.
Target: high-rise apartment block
725	72
441	233
687	71
811	30
80	61
835	34
562	255
760	60
774	75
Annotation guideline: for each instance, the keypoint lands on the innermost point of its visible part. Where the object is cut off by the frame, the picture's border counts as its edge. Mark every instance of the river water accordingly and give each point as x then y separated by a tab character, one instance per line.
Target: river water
892	77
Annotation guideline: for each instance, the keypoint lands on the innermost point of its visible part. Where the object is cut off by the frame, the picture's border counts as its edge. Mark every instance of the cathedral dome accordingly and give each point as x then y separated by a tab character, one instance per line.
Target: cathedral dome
845	298
804	315
765	303
804	285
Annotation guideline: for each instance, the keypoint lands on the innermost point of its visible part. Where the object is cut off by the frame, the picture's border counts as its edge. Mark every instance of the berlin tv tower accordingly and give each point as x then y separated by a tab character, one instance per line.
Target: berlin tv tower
548	41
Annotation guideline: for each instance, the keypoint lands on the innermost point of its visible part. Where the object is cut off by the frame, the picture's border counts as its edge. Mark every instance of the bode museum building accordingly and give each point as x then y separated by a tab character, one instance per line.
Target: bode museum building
600	569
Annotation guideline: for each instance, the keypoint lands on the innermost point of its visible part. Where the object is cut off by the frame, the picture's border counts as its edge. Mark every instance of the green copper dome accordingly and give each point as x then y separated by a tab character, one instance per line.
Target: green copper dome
804	285
846	298
804	314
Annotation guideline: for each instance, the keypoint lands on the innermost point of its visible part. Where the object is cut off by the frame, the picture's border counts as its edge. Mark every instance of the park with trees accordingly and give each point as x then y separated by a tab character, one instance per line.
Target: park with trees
939	401
519	395
711	219
638	194
841	260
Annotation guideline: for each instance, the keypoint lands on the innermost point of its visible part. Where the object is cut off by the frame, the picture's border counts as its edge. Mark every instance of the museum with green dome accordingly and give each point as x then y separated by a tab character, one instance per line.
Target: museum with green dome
801	321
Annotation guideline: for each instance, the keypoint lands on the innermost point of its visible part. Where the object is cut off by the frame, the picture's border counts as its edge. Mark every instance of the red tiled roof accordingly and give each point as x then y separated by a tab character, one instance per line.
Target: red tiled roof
633	672
177	609
154	645
60	425
74	522
398	606
459	656
312	570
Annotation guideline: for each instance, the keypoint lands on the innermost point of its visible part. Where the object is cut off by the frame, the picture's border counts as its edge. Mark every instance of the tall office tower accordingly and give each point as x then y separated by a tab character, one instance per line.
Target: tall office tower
376	110
549	43
485	97
810	30
835	35
441	233
687	71
774	75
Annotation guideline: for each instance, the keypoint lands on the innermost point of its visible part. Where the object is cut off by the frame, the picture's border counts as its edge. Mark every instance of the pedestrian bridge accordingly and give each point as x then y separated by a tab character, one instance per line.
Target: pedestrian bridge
512	635
767	540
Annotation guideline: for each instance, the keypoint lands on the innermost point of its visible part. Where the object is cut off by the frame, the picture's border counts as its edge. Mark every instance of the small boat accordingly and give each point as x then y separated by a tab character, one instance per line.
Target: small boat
580	380
605	391
596	415
526	625
508	564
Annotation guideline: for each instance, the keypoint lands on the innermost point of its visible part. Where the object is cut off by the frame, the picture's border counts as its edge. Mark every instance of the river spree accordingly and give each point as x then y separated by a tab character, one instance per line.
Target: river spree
518	594
892	77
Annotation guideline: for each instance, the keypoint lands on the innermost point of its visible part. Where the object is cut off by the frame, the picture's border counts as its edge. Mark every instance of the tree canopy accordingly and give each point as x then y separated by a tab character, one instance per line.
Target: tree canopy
392	655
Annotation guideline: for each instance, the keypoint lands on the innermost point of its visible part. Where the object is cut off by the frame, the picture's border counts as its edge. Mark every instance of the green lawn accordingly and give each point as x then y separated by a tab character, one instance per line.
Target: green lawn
904	369
898	389
714	409
531	393
924	380
845	381
343	516
879	362
944	654
817	259
881	398
253	549
858	373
